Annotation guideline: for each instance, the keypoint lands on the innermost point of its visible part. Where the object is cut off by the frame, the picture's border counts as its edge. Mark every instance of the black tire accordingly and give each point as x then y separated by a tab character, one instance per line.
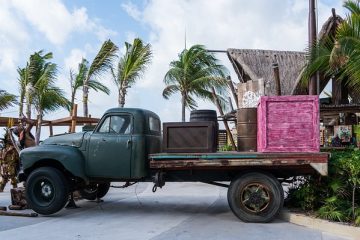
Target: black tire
47	190
255	197
94	191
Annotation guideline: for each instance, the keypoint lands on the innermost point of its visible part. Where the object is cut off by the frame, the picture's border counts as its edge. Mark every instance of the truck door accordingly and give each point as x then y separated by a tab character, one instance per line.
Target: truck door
110	148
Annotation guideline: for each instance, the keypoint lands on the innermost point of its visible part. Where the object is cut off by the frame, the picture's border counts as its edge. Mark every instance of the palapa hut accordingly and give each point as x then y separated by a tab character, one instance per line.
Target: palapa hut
254	64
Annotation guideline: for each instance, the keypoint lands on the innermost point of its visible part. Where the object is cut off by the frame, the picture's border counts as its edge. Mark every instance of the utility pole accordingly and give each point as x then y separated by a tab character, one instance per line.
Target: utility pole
312	41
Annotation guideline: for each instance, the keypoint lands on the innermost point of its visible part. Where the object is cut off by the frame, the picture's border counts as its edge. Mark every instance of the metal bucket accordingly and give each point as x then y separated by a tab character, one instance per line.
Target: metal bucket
247	129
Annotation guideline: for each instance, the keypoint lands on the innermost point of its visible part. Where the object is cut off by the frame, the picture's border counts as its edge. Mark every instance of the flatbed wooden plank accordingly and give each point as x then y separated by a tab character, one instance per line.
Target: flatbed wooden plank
321	156
220	160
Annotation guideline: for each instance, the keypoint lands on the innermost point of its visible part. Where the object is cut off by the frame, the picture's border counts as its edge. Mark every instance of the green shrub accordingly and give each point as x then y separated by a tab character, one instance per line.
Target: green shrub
335	197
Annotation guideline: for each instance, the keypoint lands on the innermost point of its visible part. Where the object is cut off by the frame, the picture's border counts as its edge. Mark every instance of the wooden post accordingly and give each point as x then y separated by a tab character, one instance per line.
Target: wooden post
232	88
231	106
312	41
275	67
225	122
51	129
73	118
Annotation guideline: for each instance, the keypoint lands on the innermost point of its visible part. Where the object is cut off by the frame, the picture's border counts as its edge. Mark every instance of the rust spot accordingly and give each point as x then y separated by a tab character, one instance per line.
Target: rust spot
224	162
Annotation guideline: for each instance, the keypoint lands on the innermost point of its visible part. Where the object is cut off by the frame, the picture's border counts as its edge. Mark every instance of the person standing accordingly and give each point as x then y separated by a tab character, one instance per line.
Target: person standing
9	163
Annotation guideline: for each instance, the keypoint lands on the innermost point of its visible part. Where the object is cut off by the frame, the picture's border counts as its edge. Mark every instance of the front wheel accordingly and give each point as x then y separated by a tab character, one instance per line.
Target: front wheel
47	190
256	197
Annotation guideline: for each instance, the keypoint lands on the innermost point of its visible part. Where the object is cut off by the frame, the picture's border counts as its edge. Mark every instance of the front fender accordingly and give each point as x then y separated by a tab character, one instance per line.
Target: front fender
70	157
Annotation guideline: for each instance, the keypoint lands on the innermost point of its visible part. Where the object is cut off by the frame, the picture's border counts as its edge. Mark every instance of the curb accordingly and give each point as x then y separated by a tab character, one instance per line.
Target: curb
320	224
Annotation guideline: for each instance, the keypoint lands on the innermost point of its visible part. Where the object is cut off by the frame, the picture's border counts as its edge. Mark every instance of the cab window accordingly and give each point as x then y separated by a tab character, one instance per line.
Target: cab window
154	124
118	124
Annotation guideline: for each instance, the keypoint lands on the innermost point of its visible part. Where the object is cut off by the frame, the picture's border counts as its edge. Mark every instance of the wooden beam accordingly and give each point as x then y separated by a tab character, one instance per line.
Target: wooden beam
232	88
225	122
51	130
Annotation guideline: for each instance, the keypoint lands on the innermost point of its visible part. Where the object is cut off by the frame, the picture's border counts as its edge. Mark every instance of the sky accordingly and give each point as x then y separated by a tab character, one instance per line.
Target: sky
73	29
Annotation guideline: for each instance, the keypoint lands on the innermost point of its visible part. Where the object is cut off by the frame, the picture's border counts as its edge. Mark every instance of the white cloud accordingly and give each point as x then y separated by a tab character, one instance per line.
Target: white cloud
73	60
222	24
53	19
132	10
12	35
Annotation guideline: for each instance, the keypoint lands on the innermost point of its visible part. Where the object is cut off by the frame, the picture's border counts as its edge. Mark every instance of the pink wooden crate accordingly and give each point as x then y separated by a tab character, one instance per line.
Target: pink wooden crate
288	124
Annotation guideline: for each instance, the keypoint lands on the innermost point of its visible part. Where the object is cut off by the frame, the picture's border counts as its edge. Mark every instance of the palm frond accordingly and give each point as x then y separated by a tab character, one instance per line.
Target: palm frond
169	90
103	60
352	6
6	100
134	62
98	86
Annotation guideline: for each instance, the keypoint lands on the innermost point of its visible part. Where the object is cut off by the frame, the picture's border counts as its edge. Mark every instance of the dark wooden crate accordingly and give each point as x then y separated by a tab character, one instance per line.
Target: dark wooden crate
189	137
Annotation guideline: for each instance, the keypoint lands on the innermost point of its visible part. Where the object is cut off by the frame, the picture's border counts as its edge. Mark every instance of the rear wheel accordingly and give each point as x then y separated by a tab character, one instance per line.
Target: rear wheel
47	190
96	190
255	197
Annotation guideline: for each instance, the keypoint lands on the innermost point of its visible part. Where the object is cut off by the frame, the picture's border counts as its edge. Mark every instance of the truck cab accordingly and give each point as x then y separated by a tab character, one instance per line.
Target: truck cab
118	147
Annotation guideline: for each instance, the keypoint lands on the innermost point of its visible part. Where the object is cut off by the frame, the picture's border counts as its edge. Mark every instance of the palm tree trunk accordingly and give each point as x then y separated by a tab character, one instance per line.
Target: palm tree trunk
28	110
21	106
38	128
85	100
122	94
183	108
72	101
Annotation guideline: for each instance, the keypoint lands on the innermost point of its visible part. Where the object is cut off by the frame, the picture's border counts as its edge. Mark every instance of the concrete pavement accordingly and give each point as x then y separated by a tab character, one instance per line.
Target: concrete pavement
178	211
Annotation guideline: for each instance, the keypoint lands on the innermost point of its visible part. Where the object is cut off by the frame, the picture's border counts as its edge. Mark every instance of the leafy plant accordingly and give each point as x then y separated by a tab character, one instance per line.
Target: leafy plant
334	197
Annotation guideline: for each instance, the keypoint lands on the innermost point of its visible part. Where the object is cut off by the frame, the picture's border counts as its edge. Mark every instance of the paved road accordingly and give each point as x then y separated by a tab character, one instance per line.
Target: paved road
178	211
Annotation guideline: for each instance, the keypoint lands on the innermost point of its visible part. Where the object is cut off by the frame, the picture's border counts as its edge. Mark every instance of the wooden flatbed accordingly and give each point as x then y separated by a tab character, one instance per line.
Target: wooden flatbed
303	162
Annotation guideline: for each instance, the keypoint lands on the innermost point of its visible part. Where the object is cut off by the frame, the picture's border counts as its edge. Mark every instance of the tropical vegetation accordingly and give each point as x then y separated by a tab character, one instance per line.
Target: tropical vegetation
196	73
335	197
101	64
130	67
6	99
77	81
37	85
338	56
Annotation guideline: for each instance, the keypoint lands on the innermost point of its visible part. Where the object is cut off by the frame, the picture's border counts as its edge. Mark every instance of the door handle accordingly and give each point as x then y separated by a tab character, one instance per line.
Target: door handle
103	139
128	143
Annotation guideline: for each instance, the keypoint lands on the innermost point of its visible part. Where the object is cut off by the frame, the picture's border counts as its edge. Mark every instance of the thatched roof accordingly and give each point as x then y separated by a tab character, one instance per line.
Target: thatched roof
253	64
329	27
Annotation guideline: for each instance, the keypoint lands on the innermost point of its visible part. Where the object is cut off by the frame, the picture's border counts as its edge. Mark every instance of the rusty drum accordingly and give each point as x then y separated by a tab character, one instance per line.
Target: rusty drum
247	129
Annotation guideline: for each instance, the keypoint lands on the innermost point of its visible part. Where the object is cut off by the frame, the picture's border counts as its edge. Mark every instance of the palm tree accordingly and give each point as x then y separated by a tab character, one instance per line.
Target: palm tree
77	81
22	81
37	85
47	97
6	99
193	75
101	63
338	57
33	72
131	66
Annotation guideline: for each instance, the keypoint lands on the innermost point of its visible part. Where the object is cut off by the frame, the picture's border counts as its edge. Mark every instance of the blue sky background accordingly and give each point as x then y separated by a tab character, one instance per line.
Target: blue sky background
76	29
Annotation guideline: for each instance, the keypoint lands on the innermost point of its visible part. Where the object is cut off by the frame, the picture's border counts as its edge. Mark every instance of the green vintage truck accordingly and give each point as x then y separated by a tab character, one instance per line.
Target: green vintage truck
126	147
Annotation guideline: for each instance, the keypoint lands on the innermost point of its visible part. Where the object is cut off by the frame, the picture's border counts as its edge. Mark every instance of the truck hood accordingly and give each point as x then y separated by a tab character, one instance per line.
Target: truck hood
69	139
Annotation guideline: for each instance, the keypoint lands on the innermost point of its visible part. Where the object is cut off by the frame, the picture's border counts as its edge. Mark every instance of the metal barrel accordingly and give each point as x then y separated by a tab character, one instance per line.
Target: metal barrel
203	115
247	129
206	115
